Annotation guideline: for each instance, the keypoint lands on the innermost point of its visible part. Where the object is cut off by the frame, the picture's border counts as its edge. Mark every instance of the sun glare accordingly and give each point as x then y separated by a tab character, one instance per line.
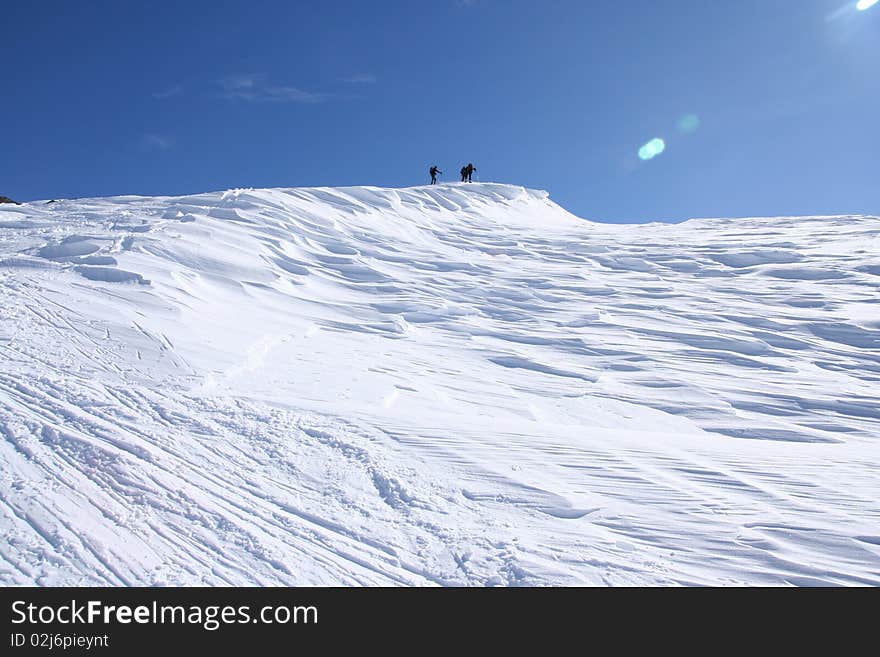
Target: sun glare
862	5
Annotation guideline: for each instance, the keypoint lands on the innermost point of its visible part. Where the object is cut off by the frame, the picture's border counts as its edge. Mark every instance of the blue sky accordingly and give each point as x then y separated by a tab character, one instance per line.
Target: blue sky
765	107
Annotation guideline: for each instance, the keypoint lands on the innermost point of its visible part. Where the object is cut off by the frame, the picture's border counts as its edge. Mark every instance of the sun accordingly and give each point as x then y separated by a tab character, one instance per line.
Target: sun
862	5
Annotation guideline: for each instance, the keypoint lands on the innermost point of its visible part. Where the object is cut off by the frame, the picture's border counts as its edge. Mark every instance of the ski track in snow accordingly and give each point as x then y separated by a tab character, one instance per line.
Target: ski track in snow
450	385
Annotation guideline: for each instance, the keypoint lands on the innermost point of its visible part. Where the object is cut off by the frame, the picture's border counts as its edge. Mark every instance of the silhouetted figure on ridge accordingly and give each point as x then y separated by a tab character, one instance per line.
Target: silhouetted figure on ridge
434	171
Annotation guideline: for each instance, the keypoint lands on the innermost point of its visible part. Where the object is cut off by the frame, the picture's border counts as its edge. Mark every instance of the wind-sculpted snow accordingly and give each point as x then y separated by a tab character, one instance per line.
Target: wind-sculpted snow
459	384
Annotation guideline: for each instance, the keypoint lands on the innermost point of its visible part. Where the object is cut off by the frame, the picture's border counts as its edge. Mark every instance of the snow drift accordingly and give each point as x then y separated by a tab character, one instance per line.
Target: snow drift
460	384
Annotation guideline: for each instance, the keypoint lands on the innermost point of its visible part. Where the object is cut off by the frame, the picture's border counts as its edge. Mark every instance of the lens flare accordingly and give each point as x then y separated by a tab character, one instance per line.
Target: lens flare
688	123
652	149
862	5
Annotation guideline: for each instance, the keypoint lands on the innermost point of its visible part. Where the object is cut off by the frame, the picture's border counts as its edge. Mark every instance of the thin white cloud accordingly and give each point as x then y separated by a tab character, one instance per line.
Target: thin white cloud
293	95
361	78
168	93
240	82
255	88
157	143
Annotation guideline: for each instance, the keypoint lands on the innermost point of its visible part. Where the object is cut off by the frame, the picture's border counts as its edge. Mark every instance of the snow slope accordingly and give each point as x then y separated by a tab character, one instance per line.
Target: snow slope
460	384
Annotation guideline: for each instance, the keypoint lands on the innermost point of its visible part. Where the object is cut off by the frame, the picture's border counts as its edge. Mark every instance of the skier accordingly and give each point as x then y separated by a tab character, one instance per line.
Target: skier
464	173
470	168
434	171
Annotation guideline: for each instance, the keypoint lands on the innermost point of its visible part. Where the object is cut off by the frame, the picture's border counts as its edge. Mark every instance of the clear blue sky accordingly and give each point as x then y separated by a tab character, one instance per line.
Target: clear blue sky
109	98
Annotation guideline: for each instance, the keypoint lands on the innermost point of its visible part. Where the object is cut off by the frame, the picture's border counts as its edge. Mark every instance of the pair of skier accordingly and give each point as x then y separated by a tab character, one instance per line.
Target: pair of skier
466	172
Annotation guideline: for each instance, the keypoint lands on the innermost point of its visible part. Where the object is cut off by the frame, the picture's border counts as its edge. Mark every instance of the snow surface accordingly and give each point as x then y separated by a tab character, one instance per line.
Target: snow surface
459	384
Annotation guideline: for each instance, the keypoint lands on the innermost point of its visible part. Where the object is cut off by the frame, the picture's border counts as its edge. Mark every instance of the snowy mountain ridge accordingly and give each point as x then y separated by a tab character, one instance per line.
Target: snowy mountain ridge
452	384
